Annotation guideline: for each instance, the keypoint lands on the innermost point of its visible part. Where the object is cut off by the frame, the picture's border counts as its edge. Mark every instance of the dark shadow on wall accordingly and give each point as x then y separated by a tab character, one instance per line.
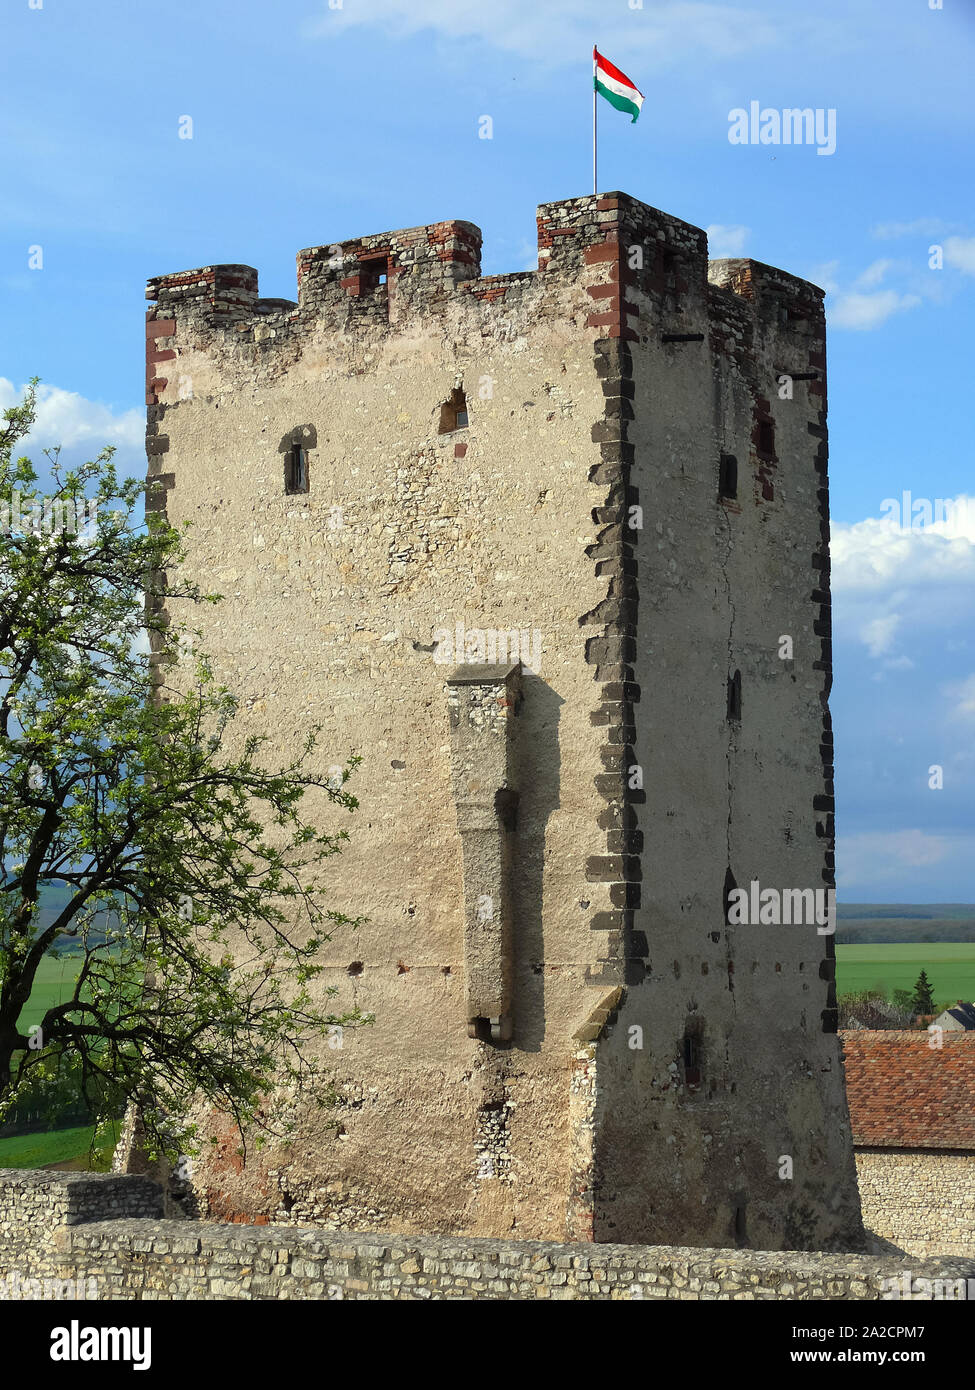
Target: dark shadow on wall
539	773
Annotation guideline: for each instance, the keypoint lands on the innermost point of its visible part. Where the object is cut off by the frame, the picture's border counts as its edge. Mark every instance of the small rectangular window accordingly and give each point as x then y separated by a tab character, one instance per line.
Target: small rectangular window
692	1059
296	470
372	273
728	476
453	412
766	438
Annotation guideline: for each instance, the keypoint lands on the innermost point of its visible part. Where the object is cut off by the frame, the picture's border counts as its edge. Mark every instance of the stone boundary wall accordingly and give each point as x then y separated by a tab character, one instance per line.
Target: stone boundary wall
102	1227
37	1204
921	1201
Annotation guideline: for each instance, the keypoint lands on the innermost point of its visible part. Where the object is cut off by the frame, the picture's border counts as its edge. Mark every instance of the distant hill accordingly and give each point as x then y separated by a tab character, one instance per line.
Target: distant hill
855	922
904	922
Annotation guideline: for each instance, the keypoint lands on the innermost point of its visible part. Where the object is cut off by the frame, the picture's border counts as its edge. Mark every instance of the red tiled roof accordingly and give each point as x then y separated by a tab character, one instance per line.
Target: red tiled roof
905	1094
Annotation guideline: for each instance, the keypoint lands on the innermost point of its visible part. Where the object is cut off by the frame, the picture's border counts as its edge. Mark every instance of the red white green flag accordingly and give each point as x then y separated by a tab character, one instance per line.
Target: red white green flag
615	86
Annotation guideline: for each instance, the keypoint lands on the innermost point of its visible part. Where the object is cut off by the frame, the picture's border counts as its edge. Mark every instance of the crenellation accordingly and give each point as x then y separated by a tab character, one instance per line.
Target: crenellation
632	256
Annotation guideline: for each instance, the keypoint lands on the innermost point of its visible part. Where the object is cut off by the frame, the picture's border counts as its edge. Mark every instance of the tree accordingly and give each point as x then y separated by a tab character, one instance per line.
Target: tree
872	1009
186	877
923	1000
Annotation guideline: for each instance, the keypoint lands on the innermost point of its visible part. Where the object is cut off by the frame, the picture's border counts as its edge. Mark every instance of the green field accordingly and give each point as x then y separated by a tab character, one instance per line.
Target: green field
53	983
39	1150
950	967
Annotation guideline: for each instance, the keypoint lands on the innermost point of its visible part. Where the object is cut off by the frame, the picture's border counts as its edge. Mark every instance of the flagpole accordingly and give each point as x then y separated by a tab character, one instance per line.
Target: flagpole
594	121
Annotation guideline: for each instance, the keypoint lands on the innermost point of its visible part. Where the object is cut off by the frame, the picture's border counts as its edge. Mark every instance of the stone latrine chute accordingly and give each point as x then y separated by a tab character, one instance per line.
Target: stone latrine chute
483	703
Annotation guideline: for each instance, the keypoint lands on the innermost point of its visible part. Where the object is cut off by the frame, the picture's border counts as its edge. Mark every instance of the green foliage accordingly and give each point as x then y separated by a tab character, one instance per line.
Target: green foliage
923	998
871	1009
191	879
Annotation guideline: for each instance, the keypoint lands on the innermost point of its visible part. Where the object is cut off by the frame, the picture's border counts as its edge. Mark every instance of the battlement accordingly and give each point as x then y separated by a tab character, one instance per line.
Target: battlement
638	272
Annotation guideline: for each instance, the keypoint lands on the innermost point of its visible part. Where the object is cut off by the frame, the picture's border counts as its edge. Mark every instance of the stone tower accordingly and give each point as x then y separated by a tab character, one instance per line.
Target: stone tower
550	552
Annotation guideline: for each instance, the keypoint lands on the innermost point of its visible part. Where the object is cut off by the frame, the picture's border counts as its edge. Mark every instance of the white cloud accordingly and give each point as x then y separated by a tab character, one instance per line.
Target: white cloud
963	693
873	274
875	555
726	241
894	587
960	253
876	855
825	276
660	35
878	633
887	286
922	226
859	304
71	420
865	311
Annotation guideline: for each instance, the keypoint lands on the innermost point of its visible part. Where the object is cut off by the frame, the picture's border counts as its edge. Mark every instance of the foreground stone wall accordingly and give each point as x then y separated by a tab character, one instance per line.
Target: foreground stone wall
922	1202
53	1227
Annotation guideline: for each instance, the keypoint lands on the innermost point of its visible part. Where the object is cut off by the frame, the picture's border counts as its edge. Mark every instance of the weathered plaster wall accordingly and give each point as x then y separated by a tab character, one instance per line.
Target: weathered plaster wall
922	1202
112	1251
331	623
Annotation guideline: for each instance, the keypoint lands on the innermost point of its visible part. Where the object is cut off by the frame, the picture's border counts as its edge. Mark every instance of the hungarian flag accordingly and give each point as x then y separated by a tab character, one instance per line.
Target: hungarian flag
615	86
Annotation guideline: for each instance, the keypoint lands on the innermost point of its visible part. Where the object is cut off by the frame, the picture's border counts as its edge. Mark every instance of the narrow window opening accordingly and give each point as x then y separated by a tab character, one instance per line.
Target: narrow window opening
728	476
372	274
730	886
691	1050
671	283
296	470
766	438
453	412
734	696
741	1234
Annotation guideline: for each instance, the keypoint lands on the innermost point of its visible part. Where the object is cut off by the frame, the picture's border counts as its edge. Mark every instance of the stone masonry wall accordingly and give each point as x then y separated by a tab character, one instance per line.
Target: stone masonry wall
715	1093
576	500
922	1202
334	600
53	1226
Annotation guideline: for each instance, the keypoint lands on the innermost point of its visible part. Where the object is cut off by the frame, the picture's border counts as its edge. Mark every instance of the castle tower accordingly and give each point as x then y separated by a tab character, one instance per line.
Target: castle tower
549	551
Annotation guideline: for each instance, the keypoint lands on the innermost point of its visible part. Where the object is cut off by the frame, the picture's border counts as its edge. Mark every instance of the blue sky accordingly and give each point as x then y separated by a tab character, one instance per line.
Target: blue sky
313	122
